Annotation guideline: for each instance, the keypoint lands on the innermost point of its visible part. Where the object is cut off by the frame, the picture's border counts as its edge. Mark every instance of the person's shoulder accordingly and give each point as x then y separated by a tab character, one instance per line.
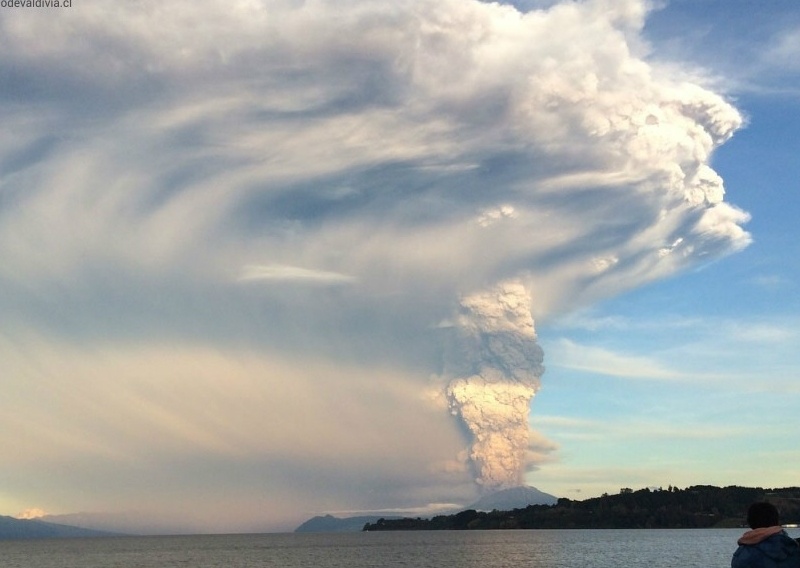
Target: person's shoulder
743	557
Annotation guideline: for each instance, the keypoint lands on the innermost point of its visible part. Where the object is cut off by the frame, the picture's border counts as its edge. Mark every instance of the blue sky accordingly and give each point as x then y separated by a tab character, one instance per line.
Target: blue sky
264	260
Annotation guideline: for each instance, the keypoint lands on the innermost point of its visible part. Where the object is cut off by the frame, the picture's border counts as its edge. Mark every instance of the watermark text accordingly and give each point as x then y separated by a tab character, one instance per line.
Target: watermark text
35	3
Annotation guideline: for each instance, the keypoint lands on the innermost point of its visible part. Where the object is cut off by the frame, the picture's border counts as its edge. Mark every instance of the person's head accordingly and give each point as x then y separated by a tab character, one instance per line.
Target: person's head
761	515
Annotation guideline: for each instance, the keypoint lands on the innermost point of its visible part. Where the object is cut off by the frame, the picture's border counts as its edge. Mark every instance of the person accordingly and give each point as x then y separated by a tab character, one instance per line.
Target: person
766	545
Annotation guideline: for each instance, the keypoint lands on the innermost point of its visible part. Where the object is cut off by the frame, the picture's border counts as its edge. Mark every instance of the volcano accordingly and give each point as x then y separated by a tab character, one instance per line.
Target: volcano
513	498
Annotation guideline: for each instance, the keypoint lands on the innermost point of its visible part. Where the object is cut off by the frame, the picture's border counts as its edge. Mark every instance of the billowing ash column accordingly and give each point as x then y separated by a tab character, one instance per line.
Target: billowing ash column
494	365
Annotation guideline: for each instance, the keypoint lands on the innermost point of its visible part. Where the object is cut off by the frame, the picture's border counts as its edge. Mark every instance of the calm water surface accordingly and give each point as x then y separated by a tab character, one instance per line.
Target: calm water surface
707	548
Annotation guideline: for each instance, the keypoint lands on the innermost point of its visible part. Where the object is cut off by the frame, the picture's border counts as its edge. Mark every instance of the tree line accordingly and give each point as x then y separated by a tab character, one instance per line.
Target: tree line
699	506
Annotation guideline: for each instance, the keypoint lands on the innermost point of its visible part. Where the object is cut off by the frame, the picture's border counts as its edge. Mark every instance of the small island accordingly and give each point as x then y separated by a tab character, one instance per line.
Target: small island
699	506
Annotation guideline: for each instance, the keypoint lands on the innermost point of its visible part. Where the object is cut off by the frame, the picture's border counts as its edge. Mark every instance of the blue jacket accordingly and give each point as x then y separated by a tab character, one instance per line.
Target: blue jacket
764	548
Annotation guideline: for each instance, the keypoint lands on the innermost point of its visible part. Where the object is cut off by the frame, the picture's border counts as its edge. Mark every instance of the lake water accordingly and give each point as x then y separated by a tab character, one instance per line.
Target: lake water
700	548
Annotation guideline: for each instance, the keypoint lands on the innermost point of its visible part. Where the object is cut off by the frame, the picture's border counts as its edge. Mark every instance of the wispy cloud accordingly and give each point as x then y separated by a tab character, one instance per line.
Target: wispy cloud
293	274
568	354
772	282
590	320
783	51
624	428
763	332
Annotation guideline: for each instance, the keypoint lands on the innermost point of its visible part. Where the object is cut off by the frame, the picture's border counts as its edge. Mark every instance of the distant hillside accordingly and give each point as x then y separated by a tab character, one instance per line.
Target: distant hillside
11	528
700	506
329	523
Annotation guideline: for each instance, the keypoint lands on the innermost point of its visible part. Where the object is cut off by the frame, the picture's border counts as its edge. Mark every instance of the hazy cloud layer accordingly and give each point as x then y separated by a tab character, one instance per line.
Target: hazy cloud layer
229	232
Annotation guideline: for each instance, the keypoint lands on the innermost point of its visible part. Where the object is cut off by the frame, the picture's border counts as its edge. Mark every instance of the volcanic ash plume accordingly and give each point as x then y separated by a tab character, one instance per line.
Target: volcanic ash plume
494	364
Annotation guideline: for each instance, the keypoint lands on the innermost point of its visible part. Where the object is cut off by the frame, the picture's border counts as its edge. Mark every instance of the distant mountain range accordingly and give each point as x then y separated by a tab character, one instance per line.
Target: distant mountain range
11	528
503	500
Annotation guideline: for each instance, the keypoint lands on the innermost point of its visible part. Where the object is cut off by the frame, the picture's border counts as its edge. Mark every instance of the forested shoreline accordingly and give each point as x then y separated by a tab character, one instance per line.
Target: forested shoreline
699	506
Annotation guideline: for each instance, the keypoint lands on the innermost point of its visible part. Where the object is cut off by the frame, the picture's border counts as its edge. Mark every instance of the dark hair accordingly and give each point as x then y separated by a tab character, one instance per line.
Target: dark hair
762	514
